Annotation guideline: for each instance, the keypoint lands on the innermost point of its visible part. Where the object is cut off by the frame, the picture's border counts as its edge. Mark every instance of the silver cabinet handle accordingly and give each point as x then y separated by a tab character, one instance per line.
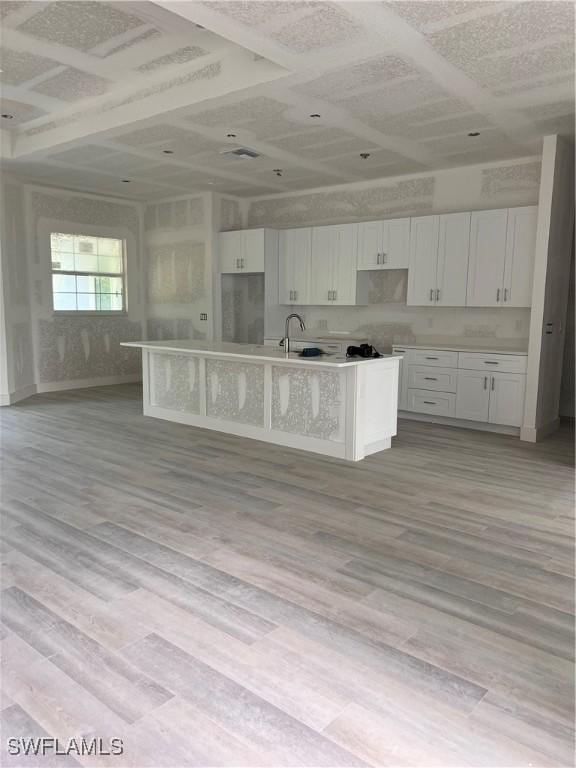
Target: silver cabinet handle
334	295
431	358
378	258
431	294
430	378
329	295
491	362
237	263
493	384
485	382
429	402
242	263
384	258
295	295
505	294
291	295
437	294
498	295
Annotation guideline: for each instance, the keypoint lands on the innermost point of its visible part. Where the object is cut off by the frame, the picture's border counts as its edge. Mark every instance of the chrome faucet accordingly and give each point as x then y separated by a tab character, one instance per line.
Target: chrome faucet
286	339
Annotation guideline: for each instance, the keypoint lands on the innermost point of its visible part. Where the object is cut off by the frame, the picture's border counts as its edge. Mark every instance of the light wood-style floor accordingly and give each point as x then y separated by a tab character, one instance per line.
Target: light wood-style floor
215	601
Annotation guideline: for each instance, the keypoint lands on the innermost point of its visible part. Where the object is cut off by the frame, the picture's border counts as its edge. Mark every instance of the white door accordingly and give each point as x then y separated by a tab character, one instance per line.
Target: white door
323	248
253	249
294	265
230	247
487	257
396	243
520	249
453	250
423	260
507	398
344	264
370	245
473	395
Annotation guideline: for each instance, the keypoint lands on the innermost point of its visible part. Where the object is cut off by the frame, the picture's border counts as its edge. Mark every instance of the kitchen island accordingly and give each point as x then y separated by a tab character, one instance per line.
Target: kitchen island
337	406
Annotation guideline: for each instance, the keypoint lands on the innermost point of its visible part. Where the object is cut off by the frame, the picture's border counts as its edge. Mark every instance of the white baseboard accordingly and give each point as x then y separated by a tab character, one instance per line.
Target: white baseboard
535	434
449	421
105	381
9	398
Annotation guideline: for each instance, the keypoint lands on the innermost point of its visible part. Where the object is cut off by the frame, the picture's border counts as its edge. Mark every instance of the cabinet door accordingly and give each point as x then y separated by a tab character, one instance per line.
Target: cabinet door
396	243
453	250
344	264
520	249
253	249
401	377
323	247
423	260
487	257
472	395
370	245
294	265
230	247
507	398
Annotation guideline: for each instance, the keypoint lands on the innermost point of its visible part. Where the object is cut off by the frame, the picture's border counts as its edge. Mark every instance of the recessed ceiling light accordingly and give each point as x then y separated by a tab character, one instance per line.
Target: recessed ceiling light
6	116
125	181
474	133
230	135
364	155
315	115
168	151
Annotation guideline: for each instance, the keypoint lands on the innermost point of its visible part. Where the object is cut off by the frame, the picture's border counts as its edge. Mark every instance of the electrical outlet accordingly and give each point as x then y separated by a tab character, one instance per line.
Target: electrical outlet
203	316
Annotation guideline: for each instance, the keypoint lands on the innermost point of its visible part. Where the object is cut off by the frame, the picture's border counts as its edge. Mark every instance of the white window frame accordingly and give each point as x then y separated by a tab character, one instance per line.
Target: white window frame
89	231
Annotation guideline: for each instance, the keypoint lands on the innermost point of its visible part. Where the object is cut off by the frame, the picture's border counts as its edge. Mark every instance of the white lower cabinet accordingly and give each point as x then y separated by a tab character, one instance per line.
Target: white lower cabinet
473	396
434	403
507	398
486	388
402	406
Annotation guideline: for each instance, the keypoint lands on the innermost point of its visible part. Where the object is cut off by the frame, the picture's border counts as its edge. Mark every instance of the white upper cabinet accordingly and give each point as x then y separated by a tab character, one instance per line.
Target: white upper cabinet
487	258
334	265
242	251
295	250
452	268
520	250
384	244
423	260
502	247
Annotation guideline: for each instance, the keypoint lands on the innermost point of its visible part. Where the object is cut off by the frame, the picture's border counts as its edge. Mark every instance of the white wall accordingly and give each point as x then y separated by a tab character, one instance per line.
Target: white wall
17	361
182	279
387	319
48	350
554	247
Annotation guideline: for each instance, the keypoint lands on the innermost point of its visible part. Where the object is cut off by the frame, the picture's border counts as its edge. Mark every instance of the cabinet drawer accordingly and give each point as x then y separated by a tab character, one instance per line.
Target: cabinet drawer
439	357
437	379
479	361
436	403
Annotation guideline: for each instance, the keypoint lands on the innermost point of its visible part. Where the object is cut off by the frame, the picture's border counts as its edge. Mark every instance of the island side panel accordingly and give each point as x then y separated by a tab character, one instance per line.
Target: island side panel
309	402
175	382
377	407
235	391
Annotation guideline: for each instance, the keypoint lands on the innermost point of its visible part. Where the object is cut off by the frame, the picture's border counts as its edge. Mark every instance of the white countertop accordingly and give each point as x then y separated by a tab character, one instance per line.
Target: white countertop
254	351
468	344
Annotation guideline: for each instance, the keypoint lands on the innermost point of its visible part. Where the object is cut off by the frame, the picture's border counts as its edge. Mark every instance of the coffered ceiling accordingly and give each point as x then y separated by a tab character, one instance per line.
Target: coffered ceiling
140	99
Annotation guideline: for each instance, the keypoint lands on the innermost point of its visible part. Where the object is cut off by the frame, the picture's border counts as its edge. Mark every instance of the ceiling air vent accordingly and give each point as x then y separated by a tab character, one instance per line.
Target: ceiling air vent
242	152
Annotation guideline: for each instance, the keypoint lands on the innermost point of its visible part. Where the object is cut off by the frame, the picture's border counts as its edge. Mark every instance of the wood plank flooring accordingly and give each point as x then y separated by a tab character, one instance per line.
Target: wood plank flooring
215	601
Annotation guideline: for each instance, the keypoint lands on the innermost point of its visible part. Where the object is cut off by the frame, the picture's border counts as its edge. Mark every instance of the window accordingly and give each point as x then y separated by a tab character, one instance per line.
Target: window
87	273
